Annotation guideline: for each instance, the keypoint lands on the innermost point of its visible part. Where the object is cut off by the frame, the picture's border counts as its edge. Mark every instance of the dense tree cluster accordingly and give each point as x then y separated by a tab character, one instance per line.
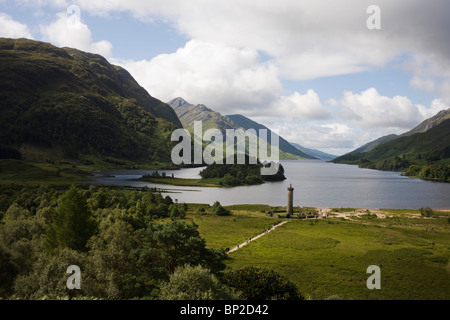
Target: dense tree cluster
116	237
240	174
430	172
391	164
129	244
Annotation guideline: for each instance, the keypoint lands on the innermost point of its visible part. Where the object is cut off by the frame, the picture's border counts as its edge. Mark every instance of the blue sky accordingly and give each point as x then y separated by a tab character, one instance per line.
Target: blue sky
309	69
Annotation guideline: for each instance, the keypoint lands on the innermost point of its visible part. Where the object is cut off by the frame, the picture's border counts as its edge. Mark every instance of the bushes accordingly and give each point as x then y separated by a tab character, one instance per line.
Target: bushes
426	212
249	283
262	284
195	283
218	210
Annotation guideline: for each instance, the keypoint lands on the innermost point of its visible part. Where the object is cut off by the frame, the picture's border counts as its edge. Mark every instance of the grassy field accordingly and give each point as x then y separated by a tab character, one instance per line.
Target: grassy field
210	183
331	257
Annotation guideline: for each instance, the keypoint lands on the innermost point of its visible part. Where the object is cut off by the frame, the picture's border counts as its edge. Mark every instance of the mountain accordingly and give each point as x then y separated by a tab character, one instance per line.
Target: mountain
285	146
189	113
429	123
429	143
372	145
314	153
66	100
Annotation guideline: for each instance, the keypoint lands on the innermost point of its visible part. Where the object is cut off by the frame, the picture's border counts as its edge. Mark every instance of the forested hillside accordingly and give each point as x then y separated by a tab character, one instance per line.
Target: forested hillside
77	103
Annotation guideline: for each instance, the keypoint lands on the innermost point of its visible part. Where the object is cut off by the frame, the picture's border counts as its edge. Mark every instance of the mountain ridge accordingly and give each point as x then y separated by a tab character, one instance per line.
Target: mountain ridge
424	126
74	101
427	150
189	113
285	146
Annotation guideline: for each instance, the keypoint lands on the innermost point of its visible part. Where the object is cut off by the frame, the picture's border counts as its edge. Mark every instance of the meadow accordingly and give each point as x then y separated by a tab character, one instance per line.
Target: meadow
328	258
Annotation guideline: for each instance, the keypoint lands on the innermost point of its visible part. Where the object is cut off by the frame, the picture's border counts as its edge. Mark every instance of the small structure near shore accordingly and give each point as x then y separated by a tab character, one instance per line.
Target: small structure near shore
290	204
305	213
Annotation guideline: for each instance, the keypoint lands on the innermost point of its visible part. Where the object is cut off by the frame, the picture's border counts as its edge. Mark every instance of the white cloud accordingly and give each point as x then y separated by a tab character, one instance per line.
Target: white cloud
369	109
222	77
10	28
306	107
67	31
437	105
307	38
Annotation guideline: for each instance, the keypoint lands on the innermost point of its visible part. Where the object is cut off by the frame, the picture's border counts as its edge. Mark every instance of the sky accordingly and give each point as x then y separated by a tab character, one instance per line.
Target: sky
329	75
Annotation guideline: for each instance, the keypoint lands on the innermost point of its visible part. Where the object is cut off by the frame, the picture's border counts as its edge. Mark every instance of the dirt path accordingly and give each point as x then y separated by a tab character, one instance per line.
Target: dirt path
257	237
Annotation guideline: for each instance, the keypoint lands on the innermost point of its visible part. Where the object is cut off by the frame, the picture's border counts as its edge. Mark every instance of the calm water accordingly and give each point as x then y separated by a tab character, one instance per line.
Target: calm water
317	184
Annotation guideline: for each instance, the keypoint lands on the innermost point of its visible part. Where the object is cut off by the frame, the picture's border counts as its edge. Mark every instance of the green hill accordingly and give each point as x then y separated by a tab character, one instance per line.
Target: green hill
372	145
424	154
421	128
429	123
65	100
428	142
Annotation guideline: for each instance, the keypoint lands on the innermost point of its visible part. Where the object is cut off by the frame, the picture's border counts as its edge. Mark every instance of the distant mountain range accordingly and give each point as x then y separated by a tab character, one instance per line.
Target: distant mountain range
427	143
315	153
189	113
62	100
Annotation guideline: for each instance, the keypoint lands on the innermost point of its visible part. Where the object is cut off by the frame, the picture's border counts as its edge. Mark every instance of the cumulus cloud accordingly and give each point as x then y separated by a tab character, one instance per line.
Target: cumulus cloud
9	28
370	109
303	33
69	31
305	39
306	107
223	77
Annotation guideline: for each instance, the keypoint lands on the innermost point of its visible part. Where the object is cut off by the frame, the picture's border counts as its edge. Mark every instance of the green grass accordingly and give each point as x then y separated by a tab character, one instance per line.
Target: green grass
330	257
227	232
17	171
210	183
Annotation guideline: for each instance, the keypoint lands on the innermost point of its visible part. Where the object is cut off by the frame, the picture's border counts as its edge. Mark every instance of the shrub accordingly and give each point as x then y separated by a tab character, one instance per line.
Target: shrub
195	283
217	209
262	284
426	212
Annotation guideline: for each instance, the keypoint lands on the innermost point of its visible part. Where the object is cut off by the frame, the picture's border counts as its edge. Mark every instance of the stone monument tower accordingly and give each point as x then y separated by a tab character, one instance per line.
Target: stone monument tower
290	206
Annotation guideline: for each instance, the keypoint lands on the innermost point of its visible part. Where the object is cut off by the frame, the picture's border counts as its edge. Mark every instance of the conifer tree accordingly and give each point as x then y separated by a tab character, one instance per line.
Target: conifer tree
72	224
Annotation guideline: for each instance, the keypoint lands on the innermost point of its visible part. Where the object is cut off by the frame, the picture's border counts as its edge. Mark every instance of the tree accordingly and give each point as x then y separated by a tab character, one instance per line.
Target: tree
177	211
109	260
49	276
161	248
195	283
262	284
218	210
426	212
72	223
8	273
